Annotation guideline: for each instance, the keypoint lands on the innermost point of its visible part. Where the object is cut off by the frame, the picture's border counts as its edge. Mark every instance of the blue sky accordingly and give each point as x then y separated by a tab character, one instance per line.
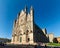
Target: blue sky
46	15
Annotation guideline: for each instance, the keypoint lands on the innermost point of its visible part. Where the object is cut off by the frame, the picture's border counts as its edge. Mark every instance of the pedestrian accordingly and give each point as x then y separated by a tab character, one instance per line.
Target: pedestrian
45	46
35	46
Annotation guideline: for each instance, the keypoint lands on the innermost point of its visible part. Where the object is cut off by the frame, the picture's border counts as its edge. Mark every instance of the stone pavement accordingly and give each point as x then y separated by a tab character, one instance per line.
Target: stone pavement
25	46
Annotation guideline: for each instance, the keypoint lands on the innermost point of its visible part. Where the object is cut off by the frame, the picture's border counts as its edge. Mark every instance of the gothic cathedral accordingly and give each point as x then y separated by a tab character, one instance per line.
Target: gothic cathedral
25	31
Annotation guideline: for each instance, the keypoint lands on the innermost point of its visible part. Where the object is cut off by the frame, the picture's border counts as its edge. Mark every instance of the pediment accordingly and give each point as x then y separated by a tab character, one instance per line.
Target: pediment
22	13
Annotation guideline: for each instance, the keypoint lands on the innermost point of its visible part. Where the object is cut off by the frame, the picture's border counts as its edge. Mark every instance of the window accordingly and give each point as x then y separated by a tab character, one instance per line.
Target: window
20	39
20	33
31	31
15	34
28	39
24	32
27	32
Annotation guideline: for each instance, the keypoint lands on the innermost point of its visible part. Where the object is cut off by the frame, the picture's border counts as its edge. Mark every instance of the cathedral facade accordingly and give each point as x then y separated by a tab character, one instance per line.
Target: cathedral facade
26	31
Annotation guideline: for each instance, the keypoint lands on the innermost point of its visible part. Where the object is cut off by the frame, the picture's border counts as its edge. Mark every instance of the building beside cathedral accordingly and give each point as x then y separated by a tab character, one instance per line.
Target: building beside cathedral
26	31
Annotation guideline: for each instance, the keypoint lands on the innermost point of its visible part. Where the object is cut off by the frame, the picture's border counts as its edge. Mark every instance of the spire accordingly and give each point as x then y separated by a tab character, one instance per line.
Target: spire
25	8
31	8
